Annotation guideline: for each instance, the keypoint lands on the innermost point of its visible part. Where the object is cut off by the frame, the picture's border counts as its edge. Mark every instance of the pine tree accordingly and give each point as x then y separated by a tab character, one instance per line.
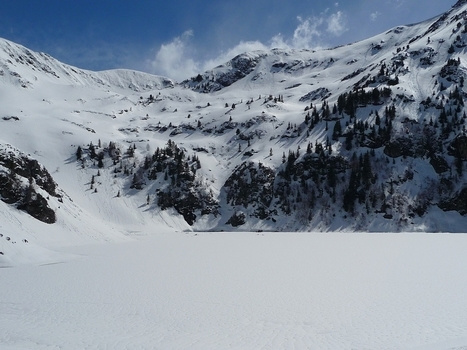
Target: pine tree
459	165
92	151
337	131
100	160
348	140
79	153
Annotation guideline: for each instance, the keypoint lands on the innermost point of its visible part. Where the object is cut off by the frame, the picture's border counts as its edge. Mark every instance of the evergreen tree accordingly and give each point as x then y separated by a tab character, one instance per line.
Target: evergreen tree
337	131
459	164
79	153
100	160
348	140
92	151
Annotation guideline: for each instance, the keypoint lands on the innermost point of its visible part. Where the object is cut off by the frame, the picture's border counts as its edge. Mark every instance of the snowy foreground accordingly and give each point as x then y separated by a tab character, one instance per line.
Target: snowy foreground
243	291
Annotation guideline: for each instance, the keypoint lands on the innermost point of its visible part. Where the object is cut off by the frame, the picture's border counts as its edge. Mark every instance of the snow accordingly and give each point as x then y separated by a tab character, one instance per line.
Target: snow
115	272
67	107
243	291
58	107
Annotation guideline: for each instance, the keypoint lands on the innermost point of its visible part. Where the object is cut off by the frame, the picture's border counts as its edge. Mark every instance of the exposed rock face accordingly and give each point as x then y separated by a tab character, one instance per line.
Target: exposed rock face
225	75
37	206
187	193
10	188
439	164
318	94
251	184
457	203
399	147
242	65
20	178
188	199
237	219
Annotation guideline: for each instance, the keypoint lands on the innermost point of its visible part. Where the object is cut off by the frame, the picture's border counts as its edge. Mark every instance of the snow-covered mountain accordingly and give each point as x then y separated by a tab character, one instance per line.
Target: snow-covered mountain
368	136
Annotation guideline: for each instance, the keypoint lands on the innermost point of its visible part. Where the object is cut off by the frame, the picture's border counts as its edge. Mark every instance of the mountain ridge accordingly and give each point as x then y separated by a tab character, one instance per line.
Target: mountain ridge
367	136
14	55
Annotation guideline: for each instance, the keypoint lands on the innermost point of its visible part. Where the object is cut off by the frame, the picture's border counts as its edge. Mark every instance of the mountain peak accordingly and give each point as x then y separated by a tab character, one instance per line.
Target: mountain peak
27	68
367	136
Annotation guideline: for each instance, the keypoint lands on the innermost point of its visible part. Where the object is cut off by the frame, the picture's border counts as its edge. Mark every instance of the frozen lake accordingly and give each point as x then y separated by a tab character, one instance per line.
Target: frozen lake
243	291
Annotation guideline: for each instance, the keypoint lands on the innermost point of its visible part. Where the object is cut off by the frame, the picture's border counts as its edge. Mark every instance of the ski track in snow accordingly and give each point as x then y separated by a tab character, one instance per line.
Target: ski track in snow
243	291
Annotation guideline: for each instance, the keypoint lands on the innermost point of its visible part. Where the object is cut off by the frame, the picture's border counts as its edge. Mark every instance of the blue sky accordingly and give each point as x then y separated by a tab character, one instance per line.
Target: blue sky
178	38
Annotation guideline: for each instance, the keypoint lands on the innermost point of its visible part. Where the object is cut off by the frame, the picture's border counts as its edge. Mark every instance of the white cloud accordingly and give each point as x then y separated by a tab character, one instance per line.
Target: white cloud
175	59
374	16
337	23
398	3
306	32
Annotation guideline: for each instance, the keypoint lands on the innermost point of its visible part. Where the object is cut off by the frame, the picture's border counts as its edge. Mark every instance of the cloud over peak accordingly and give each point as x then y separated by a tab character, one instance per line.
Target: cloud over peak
174	58
337	24
177	59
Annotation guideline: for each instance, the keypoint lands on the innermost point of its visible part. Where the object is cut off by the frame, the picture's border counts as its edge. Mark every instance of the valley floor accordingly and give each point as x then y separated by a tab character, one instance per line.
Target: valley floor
243	291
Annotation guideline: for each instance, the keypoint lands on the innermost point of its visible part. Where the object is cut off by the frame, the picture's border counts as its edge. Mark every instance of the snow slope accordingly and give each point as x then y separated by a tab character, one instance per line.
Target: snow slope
244	291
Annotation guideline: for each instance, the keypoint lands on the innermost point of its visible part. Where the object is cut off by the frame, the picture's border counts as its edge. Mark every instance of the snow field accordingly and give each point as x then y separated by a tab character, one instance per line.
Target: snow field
243	291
